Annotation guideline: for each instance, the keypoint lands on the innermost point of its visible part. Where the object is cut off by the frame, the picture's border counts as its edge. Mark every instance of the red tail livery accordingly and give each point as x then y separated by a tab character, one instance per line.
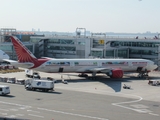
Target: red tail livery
24	55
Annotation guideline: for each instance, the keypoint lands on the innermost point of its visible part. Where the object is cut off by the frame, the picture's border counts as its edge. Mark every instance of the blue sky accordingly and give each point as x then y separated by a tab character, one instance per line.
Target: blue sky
130	16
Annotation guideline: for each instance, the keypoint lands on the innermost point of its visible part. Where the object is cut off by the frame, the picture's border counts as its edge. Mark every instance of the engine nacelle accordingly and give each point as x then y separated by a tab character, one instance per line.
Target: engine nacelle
116	73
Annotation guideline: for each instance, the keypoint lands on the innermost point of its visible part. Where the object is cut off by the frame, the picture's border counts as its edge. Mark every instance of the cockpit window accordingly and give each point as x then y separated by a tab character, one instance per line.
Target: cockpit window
4	53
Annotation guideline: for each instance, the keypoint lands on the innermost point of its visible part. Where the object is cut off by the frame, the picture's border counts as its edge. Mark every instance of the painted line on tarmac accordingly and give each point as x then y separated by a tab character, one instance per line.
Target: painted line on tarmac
13	109
33	111
15	104
11	116
20	114
3	113
85	116
73	114
153	114
133	101
4	109
36	115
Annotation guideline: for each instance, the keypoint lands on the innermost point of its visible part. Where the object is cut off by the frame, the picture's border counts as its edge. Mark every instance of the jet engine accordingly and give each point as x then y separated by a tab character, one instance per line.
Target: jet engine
116	73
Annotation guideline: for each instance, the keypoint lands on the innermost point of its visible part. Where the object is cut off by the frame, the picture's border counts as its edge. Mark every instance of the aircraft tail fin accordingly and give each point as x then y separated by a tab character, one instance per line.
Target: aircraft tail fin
23	53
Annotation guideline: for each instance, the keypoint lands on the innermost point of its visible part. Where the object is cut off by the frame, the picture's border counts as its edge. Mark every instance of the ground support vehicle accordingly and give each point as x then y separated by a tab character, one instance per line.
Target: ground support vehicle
43	85
32	74
126	87
11	80
20	81
154	82
4	90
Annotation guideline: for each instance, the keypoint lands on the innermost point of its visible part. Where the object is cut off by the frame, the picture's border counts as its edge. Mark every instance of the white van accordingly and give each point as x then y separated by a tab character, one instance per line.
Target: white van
4	90
11	80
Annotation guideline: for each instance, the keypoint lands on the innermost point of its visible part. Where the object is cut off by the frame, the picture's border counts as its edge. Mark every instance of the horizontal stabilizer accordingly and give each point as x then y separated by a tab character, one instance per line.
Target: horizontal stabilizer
10	61
18	64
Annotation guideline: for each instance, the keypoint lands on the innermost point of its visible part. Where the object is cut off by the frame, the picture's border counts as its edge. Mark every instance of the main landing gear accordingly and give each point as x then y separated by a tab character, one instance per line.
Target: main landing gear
143	74
93	76
82	75
63	81
85	75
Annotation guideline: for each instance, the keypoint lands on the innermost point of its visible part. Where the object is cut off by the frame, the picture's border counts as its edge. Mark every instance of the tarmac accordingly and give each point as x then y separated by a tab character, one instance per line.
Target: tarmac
81	98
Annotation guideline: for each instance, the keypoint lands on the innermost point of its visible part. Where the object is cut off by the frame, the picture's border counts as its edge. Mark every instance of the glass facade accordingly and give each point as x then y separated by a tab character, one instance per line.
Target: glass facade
6	47
81	43
116	53
63	48
54	46
123	53
30	47
61	41
134	44
97	53
35	40
110	53
143	52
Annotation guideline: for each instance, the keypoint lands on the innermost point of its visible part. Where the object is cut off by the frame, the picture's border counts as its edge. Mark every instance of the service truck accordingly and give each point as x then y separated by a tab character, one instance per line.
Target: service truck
32	74
154	82
36	84
4	90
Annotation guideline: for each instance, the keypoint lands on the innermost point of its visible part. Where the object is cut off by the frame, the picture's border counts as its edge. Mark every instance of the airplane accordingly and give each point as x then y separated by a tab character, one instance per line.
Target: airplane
114	68
3	55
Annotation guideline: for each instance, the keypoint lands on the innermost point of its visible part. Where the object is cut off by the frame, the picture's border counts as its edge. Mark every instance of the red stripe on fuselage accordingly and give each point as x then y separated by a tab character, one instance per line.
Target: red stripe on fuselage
39	62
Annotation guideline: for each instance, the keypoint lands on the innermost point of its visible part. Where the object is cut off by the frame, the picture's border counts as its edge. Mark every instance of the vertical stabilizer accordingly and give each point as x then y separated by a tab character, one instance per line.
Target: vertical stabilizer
23	54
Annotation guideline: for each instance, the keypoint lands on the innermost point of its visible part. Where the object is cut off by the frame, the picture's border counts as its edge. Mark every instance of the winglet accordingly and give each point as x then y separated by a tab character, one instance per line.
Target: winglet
24	55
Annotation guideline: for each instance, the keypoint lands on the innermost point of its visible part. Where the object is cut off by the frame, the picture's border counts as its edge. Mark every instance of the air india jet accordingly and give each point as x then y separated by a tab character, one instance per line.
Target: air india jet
114	68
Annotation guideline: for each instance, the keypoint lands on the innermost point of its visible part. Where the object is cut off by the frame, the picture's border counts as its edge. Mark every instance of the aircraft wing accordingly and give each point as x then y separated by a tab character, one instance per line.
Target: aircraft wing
112	72
10	61
102	70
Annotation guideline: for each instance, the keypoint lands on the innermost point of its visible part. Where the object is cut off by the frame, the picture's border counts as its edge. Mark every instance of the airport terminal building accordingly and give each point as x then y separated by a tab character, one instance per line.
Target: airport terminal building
98	45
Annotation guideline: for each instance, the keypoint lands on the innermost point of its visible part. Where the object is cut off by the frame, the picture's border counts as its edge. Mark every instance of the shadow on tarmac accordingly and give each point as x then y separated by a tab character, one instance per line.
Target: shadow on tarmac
8	96
115	84
49	92
5	118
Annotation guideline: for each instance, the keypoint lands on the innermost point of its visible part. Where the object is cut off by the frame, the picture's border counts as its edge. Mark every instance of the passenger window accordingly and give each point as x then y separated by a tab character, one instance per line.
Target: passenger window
0	89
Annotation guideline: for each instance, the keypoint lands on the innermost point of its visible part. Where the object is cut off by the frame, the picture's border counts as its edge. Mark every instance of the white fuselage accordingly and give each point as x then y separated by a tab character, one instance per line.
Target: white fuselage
81	65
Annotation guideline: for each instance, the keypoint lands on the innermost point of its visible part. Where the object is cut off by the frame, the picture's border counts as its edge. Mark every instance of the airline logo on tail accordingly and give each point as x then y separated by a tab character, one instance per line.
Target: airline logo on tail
24	55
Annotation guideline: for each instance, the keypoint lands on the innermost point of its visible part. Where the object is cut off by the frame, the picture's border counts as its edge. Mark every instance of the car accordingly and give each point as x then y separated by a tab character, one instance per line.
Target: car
126	86
36	75
20	81
154	82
